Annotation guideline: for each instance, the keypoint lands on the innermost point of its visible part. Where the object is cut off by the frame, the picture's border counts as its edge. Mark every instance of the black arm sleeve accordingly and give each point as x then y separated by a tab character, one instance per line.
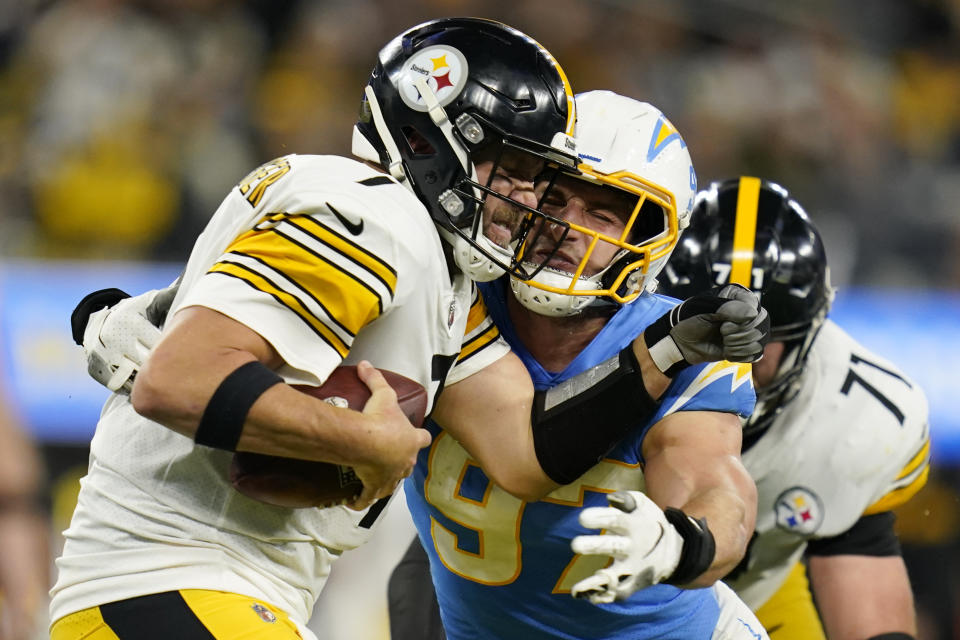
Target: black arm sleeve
580	420
869	536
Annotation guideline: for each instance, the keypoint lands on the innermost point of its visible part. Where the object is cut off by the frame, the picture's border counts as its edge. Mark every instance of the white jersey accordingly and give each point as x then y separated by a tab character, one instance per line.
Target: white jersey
853	442
331	262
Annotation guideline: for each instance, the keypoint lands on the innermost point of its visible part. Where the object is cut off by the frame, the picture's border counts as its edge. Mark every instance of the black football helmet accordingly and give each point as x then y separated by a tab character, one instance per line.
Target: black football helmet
447	89
750	231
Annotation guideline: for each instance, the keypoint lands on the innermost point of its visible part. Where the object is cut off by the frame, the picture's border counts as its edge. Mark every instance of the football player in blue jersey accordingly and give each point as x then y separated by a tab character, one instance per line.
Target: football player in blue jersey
814	383
502	565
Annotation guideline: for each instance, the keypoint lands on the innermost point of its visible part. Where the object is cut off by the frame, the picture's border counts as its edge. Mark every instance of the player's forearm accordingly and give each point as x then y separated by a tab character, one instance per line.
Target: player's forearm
177	384
729	509
692	465
530	451
281	422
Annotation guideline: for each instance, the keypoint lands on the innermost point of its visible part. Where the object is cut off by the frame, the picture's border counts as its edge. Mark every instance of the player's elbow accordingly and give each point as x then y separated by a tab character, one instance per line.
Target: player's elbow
157	396
524	484
149	396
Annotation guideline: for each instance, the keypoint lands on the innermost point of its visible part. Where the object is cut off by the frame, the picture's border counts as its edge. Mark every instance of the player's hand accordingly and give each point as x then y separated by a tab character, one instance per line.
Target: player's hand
117	340
397	441
724	324
645	547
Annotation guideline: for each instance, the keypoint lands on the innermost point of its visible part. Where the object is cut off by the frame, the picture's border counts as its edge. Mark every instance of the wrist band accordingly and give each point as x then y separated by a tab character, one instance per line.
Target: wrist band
662	347
223	419
699	547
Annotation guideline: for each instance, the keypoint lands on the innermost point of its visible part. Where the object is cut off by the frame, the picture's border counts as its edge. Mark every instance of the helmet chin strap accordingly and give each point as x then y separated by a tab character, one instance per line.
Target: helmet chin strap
393	152
473	262
439	116
469	259
549	303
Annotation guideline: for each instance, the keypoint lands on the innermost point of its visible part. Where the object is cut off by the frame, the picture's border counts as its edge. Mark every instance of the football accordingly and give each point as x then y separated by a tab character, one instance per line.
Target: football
299	484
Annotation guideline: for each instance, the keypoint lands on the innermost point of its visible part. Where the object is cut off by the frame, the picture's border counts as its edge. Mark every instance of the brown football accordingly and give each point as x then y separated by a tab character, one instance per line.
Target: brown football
298	484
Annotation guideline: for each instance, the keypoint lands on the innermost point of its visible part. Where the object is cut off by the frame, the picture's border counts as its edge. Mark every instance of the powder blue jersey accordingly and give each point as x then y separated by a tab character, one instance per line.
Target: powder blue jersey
503	567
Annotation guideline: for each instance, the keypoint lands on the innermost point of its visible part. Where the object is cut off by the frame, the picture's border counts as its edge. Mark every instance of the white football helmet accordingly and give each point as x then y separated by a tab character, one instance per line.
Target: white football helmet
630	146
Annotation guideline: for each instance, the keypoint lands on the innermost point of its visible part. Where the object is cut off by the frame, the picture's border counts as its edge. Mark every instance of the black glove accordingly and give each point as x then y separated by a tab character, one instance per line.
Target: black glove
102	299
727	323
117	332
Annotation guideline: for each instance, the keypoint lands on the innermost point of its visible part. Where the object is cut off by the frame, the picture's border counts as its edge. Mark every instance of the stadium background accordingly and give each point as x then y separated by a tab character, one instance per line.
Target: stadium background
124	122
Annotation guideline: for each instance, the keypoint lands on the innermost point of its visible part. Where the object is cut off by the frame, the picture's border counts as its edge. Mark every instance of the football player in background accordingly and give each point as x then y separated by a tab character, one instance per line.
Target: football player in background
285	283
24	531
839	436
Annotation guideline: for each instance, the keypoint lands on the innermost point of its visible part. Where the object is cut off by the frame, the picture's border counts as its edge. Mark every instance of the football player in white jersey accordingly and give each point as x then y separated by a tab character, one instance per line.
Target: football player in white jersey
310	262
839	436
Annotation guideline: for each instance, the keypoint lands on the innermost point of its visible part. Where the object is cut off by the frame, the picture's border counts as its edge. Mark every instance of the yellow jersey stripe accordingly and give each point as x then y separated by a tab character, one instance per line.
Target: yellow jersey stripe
478	312
921	458
745	231
308	271
477	343
480	330
351	250
361	314
347	299
291	302
898	496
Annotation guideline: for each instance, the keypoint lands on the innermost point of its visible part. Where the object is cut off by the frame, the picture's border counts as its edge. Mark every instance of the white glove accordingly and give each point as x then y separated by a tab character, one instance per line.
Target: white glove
645	547
117	341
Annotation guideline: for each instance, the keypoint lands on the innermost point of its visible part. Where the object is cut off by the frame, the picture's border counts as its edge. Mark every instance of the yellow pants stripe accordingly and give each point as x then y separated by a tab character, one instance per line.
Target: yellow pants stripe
82	625
790	613
189	614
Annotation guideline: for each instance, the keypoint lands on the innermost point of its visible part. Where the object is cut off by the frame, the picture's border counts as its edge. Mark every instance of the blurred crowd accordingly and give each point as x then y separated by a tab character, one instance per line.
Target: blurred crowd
124	122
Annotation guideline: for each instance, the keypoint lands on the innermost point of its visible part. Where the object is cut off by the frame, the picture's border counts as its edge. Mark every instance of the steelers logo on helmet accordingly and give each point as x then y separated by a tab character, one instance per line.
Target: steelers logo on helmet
445	70
799	510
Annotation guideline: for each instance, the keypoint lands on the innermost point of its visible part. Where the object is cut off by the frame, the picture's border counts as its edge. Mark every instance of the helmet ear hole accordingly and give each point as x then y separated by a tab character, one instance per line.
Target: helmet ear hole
418	144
